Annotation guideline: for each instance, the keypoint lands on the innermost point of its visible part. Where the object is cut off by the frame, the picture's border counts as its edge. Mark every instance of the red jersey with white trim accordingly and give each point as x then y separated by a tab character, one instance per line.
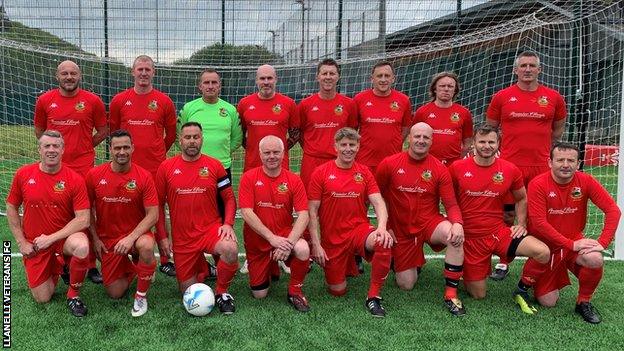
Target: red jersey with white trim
75	117
558	212
320	119
119	199
526	121
413	190
344	199
49	200
481	191
272	199
260	118
451	125
190	189
151	120
381	120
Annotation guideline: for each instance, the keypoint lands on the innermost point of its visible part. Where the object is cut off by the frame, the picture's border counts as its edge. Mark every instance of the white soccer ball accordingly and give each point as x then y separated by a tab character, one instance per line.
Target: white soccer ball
198	299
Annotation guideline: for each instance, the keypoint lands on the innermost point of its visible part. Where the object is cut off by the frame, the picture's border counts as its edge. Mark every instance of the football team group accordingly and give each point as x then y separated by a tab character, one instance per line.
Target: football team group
526	199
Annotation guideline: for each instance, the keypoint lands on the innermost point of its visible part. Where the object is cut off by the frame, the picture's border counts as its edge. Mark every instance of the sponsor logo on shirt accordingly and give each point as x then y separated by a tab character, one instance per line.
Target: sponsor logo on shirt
53	105
269	205
358	177
190	191
103	181
223	112
552	194
277	108
259	183
325	125
426	175
153	105
411	189
338	110
562	211
468	175
128	103
119	199
80	106
203	172
131	185
350	194
282	188
384	120
455	117
140	122
67	122
542	101
484	193
394	106
534	115
446	131
498	177
576	193
59	187
268	122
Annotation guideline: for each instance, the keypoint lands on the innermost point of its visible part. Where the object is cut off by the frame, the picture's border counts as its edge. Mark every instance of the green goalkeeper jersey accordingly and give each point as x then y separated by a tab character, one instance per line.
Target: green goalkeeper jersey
220	124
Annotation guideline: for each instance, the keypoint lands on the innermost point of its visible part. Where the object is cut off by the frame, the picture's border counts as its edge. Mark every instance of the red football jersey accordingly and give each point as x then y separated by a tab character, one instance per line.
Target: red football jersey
481	191
190	189
381	120
320	120
273	201
526	121
147	117
120	200
344	199
75	117
558	212
260	118
49	200
413	190
451	125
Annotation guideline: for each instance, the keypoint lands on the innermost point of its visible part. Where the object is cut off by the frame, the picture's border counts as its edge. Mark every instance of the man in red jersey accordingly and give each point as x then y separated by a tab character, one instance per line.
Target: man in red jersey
56	209
150	116
189	184
413	183
267	197
526	105
481	183
124	205
557	215
339	194
75	113
451	122
321	116
384	117
267	112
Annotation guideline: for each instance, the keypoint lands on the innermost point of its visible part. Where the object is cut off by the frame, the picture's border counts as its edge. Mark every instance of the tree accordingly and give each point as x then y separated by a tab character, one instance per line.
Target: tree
231	55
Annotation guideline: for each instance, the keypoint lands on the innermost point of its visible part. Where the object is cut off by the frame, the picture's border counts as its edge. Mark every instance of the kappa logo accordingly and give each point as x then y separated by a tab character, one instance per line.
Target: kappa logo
128	103
103	181
53	105
368	103
331	177
177	171
468	175
552	194
252	107
31	181
259	183
513	99
401	171
431	115
315	108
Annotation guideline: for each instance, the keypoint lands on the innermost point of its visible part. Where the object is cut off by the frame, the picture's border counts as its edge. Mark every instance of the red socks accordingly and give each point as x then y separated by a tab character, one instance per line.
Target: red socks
145	272
298	272
225	274
588	278
380	266
452	275
77	272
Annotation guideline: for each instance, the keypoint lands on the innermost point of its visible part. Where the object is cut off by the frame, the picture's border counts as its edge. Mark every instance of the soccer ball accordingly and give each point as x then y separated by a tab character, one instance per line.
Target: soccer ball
198	299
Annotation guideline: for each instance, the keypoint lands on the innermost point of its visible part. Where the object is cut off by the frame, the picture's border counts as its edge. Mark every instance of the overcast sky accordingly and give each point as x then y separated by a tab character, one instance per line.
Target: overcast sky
169	30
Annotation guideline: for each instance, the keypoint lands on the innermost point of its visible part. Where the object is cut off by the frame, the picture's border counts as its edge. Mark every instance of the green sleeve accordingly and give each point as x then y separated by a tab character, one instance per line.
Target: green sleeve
183	118
236	136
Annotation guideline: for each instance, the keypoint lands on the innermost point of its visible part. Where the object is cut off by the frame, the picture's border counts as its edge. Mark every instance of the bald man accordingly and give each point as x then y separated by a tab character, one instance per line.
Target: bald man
75	113
413	182
267	112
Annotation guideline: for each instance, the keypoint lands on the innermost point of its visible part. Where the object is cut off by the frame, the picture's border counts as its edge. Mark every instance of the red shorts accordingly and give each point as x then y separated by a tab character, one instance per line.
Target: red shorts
308	165
528	173
115	267
408	250
45	264
259	265
190	260
339	257
478	253
556	277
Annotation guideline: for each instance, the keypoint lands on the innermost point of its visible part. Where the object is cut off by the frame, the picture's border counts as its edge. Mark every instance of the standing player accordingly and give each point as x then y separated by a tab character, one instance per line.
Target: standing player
339	194
267	112
321	116
125	207
75	113
384	117
451	122
150	116
189	184
481	183
412	183
56	209
557	215
267	197
526	106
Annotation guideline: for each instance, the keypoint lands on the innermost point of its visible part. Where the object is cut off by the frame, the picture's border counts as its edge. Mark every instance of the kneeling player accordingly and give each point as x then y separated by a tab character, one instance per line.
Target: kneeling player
338	194
267	196
125	207
481	183
558	214
412	183
56	209
189	184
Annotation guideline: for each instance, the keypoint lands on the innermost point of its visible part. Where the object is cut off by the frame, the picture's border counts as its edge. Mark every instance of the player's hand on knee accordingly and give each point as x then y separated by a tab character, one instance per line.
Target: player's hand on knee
123	246
584	244
226	232
394	239
280	255
518	231
99	248
456	235
281	243
27	249
42	242
383	238
596	248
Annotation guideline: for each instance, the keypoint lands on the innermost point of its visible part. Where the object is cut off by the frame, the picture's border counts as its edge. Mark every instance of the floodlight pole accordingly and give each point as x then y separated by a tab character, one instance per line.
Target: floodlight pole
619	234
